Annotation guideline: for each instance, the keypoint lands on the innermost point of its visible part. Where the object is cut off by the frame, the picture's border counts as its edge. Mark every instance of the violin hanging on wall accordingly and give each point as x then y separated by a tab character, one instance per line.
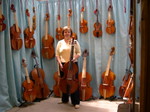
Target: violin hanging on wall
74	35
34	18
48	51
2	18
59	35
28	33
97	25
110	29
83	22
15	31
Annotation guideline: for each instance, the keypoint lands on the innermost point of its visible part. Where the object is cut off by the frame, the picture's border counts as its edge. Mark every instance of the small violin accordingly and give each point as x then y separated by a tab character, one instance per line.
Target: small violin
97	25
110	29
83	23
28	33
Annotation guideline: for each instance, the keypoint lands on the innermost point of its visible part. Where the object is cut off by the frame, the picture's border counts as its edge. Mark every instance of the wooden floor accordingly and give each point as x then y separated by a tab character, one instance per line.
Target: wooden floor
51	105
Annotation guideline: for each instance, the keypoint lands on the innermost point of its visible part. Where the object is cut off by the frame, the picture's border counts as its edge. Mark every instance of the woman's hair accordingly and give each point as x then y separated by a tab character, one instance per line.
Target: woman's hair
66	28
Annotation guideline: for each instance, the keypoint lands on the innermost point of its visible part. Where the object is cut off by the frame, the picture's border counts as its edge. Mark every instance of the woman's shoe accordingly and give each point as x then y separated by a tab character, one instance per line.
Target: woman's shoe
77	106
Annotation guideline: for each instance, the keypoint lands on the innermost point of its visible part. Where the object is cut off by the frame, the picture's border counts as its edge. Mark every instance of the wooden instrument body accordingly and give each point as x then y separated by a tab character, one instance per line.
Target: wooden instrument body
59	35
34	19
38	76
42	89
83	26
126	86
84	80
74	35
2	24
56	88
97	25
16	41
48	51
107	89
29	33
69	82
29	38
85	88
110	29
29	93
83	22
97	32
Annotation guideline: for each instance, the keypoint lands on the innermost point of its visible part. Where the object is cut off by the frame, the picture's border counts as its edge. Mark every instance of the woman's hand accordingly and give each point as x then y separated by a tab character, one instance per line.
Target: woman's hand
61	66
75	58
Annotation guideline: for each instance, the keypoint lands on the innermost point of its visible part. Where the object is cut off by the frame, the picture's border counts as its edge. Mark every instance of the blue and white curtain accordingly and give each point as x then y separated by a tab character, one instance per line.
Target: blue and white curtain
12	73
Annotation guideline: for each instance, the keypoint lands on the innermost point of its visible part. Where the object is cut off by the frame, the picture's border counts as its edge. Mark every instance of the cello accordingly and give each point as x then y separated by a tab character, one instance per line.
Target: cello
110	29
107	87
15	31
38	76
28	33
69	83
2	18
47	42
29	93
84	81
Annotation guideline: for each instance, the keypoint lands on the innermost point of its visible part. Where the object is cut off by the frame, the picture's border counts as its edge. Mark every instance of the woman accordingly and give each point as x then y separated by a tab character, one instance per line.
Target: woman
63	56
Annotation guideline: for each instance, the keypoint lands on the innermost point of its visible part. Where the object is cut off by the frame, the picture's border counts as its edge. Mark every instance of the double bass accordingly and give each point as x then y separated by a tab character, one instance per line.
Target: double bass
38	76
69	83
110	29
47	42
29	93
107	88
2	18
15	31
84	81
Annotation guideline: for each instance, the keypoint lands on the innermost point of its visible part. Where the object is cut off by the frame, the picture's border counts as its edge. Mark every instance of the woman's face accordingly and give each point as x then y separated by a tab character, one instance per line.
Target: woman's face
67	33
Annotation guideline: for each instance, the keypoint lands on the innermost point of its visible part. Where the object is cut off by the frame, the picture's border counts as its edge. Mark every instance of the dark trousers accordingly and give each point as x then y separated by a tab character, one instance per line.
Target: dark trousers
75	97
